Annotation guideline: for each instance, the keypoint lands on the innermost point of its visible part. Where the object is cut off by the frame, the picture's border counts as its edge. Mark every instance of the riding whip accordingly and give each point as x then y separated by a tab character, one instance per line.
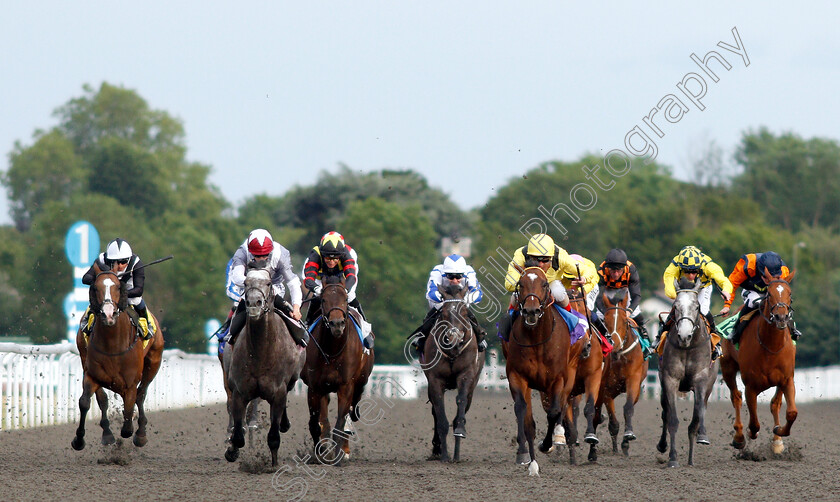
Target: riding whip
155	262
583	297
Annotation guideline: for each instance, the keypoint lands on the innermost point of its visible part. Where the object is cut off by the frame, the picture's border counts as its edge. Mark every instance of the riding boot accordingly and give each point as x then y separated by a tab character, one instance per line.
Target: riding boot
146	325
599	324
643	332
423	330
237	322
299	334
356	305
735	337
480	333
222	331
505	324
795	333
716	349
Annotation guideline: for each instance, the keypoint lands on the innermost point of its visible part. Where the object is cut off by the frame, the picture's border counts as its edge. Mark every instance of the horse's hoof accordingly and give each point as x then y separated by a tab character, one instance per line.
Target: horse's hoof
591	439
534	469
739	445
140	441
231	454
523	458
629	436
78	444
778	446
703	439
460	432
545	446
126	433
662	447
673	463
109	439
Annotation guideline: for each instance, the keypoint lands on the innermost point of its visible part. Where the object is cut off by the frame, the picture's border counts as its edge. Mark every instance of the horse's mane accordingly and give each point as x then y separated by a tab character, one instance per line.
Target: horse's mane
685	283
332	279
452	289
616	295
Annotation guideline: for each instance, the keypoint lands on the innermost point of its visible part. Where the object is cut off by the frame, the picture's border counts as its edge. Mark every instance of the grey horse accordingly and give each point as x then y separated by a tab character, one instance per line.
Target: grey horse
686	365
264	363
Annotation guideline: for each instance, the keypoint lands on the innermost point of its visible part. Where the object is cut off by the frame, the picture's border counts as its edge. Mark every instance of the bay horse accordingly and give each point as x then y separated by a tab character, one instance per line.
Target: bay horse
116	358
686	365
625	369
766	358
537	357
585	372
456	363
336	362
264	363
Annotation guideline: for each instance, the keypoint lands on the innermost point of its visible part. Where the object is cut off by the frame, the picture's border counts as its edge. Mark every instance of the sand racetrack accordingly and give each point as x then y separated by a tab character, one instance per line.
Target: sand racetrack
184	461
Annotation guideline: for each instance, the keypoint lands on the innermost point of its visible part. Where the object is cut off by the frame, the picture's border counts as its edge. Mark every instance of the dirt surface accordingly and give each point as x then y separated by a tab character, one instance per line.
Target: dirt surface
184	461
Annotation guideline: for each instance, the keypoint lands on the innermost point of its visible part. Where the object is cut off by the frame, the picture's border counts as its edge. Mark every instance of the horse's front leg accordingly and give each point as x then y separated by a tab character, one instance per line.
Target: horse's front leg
525	426
790	409
278	411
436	390
466	384
339	436
88	387
752	408
237	414
613	425
316	412
729	370
129	400
593	385
102	401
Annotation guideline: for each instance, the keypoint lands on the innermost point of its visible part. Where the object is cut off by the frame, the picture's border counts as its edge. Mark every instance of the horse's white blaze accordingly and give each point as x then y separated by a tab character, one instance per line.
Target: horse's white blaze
108	284
534	469
779	288
532	276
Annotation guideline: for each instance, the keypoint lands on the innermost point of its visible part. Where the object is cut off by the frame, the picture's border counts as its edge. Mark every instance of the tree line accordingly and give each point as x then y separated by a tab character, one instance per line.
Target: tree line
116	162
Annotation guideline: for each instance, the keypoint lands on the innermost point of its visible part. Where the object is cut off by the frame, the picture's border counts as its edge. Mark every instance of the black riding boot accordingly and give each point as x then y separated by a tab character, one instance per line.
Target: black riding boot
600	326
716	350
480	333
298	332
314	310
735	337
237	322
505	323
428	322
795	333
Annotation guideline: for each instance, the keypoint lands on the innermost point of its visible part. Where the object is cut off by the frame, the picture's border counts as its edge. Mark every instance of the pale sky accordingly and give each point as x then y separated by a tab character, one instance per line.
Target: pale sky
470	94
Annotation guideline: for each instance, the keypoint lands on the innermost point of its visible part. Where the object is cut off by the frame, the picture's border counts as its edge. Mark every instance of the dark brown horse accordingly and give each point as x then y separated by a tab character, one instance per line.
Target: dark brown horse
264	363
336	361
453	362
116	358
586	374
537	357
766	358
625	368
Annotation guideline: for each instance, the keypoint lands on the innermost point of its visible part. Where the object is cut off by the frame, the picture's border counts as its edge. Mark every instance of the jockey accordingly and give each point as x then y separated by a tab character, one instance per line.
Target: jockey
118	258
260	246
618	272
587	271
333	257
749	274
554	261
453	271
692	263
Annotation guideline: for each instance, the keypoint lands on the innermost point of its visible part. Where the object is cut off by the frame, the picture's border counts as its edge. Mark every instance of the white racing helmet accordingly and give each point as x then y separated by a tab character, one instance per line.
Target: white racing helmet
118	249
454	264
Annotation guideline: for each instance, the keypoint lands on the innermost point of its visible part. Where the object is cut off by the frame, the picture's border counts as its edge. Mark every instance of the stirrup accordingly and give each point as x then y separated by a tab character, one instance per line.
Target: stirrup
482	345
795	334
716	353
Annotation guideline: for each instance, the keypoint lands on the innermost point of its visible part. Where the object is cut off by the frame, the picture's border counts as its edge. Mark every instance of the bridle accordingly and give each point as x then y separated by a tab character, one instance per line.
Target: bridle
615	333
461	344
779	321
693	320
544	302
106	301
326	315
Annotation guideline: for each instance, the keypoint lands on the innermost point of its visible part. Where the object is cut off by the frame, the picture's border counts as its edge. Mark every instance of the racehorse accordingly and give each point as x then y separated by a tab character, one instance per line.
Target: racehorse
336	361
766	358
625	368
686	365
264	363
452	361
118	360
537	357
586	374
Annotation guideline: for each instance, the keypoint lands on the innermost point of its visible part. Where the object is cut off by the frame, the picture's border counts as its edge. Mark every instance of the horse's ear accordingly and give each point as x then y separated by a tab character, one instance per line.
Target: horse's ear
676	284
767	276
789	278
123	303
94	302
607	300
441	290
698	284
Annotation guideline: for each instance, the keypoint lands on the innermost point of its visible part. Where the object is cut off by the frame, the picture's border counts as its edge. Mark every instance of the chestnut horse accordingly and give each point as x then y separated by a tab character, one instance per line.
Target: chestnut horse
118	360
586	374
766	358
336	361
537	357
686	365
264	363
625	368
453	362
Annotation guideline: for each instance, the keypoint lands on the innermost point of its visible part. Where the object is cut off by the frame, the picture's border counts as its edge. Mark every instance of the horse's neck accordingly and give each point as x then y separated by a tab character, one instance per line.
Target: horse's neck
257	334
117	337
